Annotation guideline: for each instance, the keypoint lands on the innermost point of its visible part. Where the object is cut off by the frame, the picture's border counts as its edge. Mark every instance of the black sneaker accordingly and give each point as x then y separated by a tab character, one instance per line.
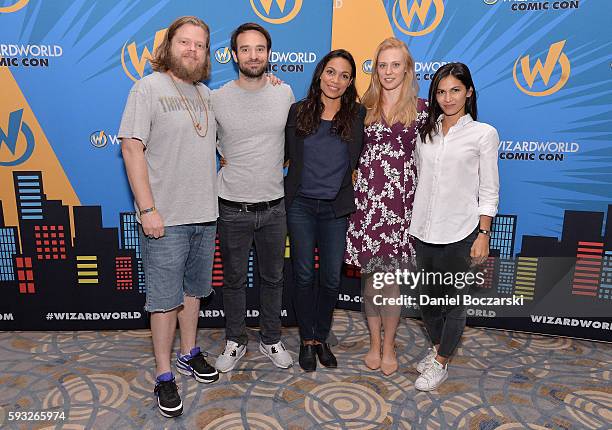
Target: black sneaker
196	365
168	400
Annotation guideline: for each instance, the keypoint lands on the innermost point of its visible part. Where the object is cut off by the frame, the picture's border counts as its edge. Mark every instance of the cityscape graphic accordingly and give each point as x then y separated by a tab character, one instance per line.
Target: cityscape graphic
42	265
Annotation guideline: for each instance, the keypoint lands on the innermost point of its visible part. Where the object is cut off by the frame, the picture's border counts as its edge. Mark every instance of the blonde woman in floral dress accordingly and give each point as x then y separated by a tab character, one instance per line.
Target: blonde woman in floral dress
377	237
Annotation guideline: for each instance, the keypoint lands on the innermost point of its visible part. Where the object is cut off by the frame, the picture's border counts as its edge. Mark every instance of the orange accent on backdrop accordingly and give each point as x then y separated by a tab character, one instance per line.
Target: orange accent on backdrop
56	183
359	26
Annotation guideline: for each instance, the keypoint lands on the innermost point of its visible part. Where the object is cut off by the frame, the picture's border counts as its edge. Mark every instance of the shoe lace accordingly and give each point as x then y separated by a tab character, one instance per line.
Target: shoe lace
167	388
428	375
432	371
427	364
230	349
428	359
202	354
188	357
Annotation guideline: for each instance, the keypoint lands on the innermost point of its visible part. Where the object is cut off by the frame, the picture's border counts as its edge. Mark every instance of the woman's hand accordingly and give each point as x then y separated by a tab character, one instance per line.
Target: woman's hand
222	162
480	249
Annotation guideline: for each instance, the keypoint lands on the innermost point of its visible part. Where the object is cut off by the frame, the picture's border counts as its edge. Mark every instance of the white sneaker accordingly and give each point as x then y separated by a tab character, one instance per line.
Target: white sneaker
227	360
277	353
427	361
433	376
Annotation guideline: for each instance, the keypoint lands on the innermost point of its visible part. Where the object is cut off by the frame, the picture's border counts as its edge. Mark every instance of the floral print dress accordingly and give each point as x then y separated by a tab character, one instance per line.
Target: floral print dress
377	237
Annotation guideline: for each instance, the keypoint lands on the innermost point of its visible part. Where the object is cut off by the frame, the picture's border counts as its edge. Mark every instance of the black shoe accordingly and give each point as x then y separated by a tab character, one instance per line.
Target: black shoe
168	399
196	366
308	358
326	357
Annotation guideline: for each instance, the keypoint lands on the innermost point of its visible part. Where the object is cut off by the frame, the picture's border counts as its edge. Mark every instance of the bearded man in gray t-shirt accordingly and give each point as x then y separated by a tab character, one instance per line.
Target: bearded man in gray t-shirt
251	115
168	134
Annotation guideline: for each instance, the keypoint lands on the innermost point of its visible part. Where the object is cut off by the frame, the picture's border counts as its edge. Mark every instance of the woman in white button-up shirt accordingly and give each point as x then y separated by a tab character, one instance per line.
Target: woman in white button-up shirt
455	202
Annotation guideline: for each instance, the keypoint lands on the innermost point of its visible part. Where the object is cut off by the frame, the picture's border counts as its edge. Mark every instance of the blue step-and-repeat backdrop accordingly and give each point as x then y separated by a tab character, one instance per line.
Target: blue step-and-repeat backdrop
69	253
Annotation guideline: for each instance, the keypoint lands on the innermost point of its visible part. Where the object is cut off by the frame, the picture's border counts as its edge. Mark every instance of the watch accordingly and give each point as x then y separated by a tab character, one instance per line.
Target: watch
148	210
485	232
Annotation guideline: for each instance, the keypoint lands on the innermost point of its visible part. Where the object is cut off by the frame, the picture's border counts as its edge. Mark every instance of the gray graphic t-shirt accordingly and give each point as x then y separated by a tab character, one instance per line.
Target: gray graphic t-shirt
181	165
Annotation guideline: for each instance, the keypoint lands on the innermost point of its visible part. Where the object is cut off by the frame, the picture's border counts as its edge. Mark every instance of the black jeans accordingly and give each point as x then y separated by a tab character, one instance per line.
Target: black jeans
312	223
237	232
444	324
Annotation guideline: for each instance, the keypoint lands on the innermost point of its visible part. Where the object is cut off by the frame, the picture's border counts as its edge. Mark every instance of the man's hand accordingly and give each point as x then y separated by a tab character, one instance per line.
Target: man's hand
274	80
222	162
152	224
480	249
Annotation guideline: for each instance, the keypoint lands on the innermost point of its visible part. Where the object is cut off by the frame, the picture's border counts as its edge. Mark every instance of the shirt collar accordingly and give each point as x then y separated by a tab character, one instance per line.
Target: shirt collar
465	119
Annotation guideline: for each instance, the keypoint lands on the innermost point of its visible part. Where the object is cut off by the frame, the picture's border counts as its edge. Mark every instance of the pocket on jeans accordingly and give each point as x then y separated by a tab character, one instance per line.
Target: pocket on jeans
228	213
279	209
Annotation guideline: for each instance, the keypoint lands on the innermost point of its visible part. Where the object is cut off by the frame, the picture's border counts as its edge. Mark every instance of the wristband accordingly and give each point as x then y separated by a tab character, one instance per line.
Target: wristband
485	232
148	210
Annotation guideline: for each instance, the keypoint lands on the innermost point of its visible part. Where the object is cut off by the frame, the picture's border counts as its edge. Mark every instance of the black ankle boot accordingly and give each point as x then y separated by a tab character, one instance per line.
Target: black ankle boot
326	357
308	358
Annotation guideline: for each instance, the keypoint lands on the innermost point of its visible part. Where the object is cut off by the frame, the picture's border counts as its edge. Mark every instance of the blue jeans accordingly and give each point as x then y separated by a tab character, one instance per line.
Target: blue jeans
178	264
238	230
312	223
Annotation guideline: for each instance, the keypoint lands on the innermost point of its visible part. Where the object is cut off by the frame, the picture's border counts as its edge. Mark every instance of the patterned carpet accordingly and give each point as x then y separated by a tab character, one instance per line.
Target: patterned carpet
498	380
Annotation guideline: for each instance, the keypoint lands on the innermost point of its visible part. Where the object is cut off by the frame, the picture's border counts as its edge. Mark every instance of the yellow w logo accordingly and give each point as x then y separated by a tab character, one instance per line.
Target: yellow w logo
267	7
223	55
555	55
139	62
98	139
420	8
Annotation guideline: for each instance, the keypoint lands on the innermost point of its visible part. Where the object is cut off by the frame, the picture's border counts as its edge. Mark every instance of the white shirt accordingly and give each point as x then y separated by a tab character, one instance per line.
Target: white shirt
457	181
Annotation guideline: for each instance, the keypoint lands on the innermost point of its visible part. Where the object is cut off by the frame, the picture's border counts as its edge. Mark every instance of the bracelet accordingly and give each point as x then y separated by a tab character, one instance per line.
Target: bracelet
148	210
485	232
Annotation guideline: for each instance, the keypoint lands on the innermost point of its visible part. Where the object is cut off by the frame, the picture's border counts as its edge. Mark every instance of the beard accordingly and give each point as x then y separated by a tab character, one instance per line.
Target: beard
186	71
252	73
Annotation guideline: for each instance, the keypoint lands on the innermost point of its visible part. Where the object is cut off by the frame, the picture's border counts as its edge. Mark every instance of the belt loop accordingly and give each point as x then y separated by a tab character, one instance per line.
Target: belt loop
245	207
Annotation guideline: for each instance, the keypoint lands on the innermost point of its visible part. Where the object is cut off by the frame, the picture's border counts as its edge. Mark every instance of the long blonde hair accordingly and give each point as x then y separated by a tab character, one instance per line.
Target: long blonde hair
405	111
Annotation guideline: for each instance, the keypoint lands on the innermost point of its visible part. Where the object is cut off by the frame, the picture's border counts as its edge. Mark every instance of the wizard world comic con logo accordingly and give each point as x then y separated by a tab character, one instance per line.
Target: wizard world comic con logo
282	13
423	10
17	5
223	55
133	62
17	141
555	63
